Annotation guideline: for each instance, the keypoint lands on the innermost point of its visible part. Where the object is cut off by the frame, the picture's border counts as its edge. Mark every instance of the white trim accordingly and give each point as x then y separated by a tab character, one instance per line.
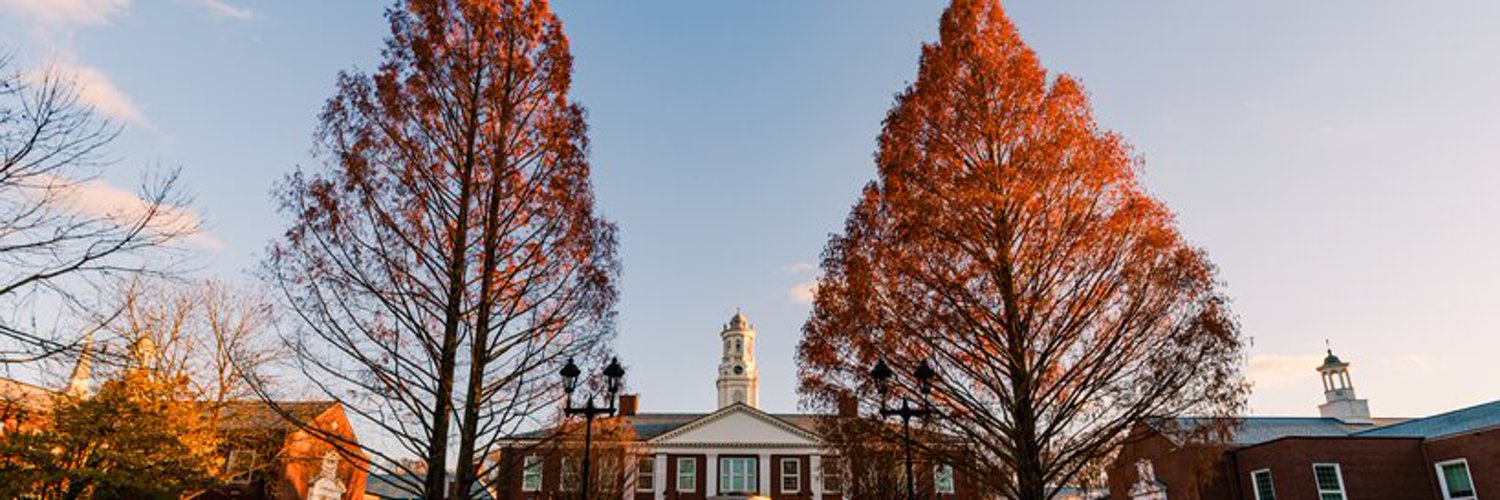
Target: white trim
660	441
782	475
1255	485
661	467
1338	474
677	471
1443	479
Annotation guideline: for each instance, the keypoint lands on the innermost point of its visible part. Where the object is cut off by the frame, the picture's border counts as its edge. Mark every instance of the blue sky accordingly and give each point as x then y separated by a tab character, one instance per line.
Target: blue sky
1337	159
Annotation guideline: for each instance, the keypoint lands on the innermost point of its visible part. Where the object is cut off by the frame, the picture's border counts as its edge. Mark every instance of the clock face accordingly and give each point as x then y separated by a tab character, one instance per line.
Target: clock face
739	370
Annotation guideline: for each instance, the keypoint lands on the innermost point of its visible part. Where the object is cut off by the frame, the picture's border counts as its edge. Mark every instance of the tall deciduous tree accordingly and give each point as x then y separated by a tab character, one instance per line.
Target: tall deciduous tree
448	254
1009	241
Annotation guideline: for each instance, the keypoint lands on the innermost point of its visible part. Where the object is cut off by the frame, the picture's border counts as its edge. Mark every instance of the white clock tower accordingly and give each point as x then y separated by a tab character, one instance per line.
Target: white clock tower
739	380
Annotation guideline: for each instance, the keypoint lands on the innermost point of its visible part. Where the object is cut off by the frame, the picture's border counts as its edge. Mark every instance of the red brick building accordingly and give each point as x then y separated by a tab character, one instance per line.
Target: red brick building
268	456
1344	454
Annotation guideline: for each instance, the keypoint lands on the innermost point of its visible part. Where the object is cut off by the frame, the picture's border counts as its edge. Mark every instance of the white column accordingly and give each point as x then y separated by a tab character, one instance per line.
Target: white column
815	475
631	468
765	474
659	482
711	476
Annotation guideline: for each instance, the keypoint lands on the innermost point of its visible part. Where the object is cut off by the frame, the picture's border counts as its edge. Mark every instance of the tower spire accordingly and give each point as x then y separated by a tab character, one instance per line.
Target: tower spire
739	379
1338	392
79	381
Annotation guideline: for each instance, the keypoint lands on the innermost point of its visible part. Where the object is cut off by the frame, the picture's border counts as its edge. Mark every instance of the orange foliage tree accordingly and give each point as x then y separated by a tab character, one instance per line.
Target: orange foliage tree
448	254
1008	240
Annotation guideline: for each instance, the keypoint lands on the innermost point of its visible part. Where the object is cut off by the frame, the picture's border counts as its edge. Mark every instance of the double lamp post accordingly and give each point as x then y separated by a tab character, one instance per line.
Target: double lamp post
924	375
613	375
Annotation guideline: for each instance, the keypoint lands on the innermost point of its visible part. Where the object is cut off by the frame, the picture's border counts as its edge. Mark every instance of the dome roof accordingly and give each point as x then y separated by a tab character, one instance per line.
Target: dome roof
739	321
1331	359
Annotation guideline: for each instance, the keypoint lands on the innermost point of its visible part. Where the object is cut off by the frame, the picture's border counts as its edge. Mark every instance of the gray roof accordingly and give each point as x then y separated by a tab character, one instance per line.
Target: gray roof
1255	430
1457	421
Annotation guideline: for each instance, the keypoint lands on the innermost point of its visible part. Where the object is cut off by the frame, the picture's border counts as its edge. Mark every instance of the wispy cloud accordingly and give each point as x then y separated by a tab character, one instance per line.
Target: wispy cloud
66	12
1274	370
224	10
100	199
1411	364
803	293
96	89
800	267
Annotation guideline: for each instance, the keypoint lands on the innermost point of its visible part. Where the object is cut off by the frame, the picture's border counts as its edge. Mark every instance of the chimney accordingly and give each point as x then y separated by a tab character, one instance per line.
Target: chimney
628	404
848	406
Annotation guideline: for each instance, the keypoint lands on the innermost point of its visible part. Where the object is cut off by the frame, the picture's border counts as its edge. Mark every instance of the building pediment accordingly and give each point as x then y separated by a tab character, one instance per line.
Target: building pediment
737	425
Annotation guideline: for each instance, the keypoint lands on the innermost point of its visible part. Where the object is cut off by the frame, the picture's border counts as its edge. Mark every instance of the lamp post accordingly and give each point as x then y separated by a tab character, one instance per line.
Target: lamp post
613	374
924	374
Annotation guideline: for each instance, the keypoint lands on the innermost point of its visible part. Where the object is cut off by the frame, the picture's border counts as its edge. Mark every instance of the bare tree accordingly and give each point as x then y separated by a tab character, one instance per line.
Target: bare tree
60	242
213	336
448	255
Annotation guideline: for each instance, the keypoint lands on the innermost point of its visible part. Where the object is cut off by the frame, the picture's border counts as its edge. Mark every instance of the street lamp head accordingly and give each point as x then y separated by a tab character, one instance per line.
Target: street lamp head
925	375
881	374
570	373
613	375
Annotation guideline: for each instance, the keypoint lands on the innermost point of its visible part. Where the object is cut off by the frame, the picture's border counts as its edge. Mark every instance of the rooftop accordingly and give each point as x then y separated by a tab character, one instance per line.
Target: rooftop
1255	430
241	415
1473	418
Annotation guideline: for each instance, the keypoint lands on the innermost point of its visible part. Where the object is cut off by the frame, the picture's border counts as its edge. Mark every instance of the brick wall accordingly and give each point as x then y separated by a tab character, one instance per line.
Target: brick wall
1480	449
1193	473
1371	467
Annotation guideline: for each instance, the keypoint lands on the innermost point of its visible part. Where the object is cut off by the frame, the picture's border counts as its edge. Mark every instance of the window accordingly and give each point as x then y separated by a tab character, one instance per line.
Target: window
531	473
687	474
1454	477
738	475
645	474
569	468
833	478
791	475
1264	490
1330	481
241	465
942	478
607	473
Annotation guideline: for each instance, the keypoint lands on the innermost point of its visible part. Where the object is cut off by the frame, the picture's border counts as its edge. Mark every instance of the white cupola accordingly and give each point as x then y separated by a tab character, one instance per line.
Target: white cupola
1338	393
739	380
